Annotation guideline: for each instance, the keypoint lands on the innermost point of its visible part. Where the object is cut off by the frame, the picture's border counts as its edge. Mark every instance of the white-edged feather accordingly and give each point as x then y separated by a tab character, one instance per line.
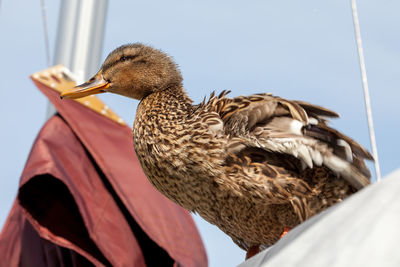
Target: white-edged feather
347	149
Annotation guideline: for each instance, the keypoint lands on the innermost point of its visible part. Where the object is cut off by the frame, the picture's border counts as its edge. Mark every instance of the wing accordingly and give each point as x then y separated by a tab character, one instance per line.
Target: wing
296	128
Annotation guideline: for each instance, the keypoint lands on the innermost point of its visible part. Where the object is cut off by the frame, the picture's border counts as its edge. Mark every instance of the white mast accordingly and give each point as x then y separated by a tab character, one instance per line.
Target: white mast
79	38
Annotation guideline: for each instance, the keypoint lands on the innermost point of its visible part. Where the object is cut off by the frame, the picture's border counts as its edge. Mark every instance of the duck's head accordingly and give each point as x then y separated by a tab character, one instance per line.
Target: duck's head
132	70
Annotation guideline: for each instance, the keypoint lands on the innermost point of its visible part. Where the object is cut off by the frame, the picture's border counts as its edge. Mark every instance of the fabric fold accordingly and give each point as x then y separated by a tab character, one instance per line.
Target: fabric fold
84	200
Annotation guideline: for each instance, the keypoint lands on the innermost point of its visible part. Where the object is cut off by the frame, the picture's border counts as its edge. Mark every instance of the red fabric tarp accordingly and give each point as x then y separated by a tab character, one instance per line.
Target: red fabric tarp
84	200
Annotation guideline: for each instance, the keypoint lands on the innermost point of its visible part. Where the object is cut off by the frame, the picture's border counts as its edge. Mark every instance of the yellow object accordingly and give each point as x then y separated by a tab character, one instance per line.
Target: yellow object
61	79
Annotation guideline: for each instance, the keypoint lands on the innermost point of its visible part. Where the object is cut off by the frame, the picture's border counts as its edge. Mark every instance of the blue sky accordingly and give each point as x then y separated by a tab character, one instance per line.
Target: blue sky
294	49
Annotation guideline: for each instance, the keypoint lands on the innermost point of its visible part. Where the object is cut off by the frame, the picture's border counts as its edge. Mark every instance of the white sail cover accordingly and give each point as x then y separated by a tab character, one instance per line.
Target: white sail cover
361	231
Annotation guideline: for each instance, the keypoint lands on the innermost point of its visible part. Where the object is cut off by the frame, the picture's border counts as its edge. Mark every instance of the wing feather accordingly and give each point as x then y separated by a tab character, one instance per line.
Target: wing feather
294	128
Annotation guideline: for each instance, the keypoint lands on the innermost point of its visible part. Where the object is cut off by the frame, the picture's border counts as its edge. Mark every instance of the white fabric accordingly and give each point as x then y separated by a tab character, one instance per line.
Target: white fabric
361	231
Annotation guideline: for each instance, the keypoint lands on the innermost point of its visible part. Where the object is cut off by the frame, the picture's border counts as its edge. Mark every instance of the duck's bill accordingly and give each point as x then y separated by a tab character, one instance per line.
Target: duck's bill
95	85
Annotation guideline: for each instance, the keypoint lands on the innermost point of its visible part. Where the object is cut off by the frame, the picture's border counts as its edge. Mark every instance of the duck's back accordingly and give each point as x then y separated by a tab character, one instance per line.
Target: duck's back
250	165
283	154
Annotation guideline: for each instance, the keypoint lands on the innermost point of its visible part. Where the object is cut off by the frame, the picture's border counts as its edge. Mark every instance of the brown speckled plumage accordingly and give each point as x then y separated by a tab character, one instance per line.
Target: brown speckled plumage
251	165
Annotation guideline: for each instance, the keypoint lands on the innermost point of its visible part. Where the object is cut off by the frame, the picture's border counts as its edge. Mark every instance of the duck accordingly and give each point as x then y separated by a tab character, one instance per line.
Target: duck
254	166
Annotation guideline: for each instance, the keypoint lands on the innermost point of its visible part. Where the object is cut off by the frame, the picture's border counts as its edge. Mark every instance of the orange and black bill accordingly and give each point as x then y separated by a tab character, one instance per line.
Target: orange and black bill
96	85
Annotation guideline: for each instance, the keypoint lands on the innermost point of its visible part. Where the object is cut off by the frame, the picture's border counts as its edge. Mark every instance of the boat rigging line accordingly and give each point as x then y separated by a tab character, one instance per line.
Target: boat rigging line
357	33
46	32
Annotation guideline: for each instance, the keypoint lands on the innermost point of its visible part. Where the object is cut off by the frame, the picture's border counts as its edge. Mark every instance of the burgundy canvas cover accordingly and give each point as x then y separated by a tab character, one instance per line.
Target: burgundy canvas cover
18	236
84	195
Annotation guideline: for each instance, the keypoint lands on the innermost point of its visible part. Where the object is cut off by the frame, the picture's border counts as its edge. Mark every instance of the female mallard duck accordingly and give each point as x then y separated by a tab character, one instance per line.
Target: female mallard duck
251	165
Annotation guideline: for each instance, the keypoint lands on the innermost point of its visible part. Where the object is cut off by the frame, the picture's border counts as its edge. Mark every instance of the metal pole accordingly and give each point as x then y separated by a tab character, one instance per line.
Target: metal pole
80	38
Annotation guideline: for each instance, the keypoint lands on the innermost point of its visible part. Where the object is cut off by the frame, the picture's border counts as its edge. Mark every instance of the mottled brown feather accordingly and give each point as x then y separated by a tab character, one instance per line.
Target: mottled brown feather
251	165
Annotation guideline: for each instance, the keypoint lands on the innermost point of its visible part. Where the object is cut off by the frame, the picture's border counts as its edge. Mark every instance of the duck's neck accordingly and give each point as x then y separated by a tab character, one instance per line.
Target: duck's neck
161	119
172	102
162	135
159	114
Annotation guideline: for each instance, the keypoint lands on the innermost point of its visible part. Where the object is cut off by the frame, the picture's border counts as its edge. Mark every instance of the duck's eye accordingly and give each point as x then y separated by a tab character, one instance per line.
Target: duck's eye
124	58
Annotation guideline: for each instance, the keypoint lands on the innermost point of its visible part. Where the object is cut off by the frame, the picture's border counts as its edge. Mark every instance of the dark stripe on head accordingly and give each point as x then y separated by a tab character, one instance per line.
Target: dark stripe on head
121	59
